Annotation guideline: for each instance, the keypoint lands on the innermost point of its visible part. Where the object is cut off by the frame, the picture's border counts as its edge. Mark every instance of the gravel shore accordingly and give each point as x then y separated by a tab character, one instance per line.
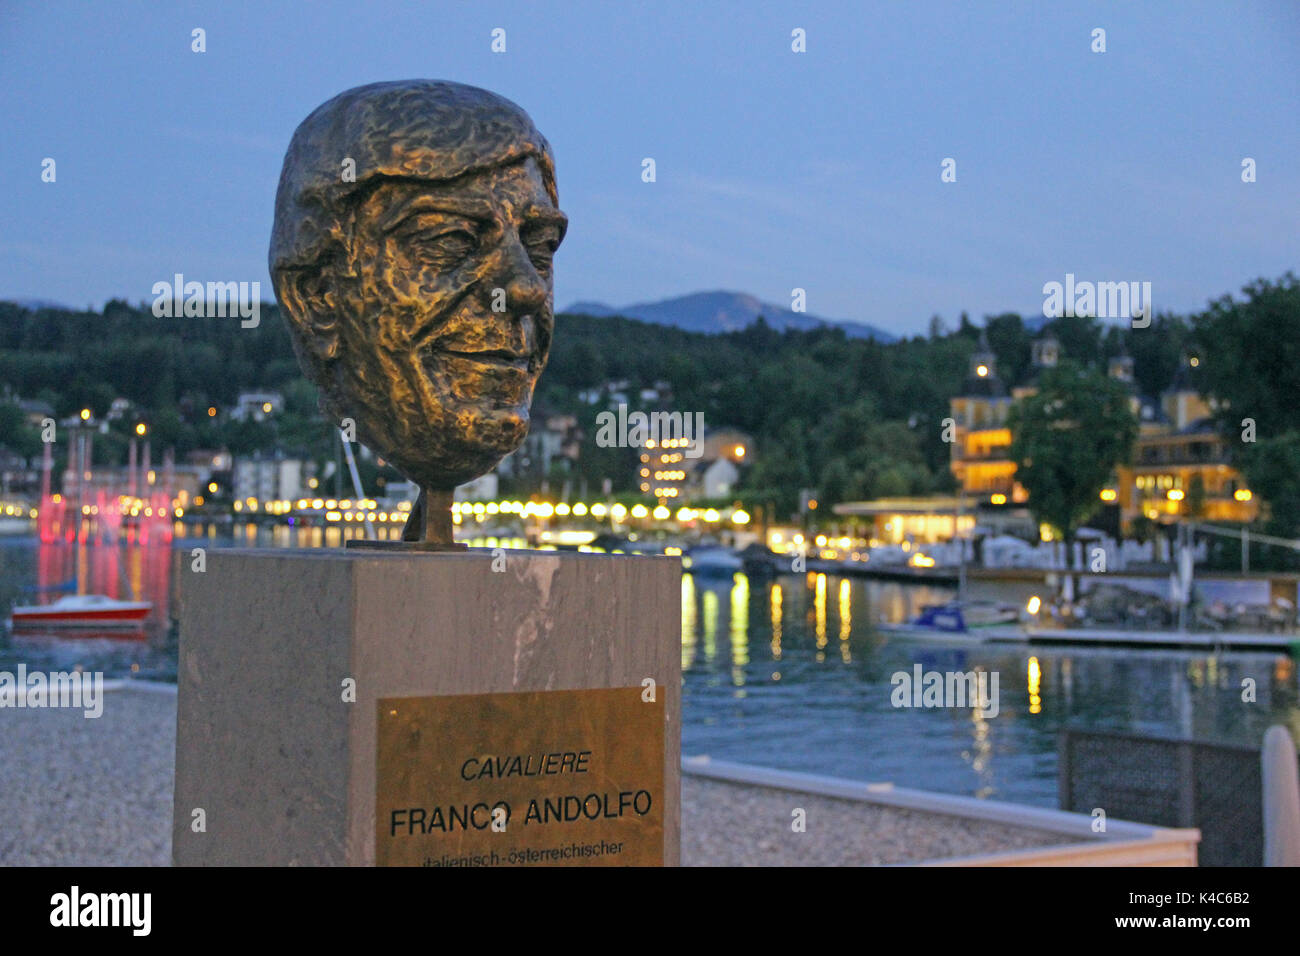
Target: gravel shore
78	792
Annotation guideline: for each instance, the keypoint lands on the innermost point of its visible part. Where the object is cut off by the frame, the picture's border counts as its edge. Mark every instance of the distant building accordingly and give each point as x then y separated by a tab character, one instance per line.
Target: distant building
268	479
16	473
257	406
211	459
981	447
35	411
1177	450
712	478
916	520
396	492
121	408
729	443
668	473
482	488
552	441
1181	464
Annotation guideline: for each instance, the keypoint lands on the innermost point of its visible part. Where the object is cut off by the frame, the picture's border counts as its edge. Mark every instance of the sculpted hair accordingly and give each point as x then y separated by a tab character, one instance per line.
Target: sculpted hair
432	130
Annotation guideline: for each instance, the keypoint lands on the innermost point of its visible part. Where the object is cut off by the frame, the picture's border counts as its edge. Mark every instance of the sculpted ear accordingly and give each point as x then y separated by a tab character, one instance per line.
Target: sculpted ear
310	304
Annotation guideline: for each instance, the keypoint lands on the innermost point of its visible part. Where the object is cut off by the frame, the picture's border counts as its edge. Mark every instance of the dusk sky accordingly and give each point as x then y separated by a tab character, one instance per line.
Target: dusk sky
775	169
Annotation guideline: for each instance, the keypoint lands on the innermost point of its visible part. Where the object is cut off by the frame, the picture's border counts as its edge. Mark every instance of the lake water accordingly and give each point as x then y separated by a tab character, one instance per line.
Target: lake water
792	674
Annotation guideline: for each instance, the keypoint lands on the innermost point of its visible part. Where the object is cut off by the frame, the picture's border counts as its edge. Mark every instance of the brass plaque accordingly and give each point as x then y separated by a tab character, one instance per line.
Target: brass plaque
551	778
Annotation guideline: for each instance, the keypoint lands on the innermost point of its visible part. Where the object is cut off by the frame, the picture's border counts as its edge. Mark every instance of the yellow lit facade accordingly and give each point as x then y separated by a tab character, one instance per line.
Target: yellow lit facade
981	445
1181	465
1160	483
1176	447
918	520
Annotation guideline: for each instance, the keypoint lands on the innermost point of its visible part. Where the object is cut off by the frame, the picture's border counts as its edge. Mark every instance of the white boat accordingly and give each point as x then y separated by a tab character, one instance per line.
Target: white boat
956	620
711	559
83	610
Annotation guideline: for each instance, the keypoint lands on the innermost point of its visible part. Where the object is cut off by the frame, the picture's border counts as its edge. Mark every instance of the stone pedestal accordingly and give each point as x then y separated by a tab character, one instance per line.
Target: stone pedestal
290	661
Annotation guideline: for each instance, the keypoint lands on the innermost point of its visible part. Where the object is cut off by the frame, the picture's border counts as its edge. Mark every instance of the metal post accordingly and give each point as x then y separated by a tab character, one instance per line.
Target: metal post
356	483
961	545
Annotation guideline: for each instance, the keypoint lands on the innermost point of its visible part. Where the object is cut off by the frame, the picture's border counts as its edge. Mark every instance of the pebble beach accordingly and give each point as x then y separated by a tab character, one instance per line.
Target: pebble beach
78	792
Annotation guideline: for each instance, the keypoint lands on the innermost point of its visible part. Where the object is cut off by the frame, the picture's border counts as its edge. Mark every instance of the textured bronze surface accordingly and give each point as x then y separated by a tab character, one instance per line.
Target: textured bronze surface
577	777
415	225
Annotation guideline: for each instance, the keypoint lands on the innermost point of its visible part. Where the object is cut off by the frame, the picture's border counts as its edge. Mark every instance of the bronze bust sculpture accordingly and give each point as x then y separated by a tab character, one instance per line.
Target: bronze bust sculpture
415	224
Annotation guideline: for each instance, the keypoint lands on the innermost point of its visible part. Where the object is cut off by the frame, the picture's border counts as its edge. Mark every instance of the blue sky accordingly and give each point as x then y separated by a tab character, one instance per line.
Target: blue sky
775	170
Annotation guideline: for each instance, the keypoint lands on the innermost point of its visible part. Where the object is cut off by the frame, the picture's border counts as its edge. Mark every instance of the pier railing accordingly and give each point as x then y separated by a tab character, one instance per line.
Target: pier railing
1214	787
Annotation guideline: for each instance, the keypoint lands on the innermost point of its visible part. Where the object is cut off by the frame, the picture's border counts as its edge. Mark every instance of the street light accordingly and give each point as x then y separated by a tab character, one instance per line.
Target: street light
140	429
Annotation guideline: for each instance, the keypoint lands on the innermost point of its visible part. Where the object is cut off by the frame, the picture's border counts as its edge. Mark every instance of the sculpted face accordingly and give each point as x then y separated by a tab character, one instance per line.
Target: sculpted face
452	318
415	223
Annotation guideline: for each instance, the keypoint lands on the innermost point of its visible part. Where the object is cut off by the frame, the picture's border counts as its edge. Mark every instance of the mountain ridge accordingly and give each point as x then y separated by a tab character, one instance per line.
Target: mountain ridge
718	311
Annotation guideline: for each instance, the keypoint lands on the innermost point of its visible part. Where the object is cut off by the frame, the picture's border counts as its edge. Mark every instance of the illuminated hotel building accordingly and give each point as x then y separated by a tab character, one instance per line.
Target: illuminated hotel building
1181	464
981	445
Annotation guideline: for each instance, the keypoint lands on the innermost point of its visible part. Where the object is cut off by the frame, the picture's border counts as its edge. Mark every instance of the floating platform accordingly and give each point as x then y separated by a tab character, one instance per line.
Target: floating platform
1116	637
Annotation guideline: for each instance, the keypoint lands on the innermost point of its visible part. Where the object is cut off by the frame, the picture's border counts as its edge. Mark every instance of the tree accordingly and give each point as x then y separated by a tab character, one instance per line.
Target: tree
1249	363
1011	343
1066	440
1080	337
1157	352
16	434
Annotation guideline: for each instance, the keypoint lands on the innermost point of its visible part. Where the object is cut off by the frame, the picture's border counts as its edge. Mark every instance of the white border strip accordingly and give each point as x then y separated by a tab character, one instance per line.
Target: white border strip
149	686
1008	814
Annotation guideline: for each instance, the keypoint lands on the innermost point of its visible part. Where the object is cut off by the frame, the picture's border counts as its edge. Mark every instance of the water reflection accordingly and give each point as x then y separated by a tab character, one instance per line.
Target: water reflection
139	566
739	630
1035	682
774	695
779	699
775	603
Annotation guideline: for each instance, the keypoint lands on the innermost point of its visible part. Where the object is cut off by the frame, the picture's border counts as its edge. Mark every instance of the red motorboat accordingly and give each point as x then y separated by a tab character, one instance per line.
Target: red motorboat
83	610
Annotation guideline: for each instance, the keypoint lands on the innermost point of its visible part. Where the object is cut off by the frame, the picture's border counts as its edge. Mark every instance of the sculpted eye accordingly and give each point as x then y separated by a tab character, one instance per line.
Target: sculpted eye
541	245
454	244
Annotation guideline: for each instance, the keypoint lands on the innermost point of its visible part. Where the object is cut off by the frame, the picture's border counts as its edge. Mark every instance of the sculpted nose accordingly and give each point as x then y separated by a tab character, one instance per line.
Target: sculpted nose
526	291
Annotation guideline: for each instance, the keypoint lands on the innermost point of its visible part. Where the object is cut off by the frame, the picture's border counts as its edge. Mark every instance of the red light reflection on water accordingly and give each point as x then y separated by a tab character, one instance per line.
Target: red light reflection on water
120	547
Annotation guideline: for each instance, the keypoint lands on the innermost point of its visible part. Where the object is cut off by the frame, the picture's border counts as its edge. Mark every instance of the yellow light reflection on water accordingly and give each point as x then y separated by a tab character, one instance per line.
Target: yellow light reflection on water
710	603
739	629
846	620
981	752
135	570
819	611
846	611
1035	683
688	621
775	603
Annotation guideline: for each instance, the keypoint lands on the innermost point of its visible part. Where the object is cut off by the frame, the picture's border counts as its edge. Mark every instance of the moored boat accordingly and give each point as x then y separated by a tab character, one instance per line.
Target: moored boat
711	559
955	619
82	610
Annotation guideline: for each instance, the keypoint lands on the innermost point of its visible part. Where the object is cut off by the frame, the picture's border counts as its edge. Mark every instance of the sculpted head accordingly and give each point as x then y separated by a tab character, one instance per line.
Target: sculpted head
415	224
